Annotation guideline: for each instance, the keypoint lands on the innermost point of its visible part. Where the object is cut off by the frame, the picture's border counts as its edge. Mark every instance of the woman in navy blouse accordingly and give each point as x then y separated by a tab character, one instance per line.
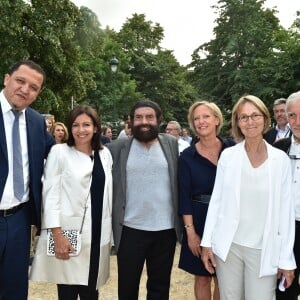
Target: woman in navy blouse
197	171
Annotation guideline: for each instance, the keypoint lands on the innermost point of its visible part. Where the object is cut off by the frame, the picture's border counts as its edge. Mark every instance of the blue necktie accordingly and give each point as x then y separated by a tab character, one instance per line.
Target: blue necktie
18	180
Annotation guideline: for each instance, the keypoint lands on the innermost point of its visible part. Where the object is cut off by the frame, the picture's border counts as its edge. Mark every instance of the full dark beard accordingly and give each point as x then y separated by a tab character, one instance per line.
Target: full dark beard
145	136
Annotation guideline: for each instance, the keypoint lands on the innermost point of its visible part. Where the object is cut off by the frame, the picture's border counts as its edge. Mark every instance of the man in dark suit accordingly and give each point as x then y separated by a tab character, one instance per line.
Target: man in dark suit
291	146
145	200
281	129
18	210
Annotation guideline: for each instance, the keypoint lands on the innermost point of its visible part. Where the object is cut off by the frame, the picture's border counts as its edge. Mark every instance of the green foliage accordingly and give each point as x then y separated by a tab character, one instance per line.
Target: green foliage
250	54
12	34
157	73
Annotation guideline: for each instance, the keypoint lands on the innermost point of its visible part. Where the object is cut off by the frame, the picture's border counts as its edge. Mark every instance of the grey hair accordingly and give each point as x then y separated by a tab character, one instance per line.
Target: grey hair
178	127
279	101
294	97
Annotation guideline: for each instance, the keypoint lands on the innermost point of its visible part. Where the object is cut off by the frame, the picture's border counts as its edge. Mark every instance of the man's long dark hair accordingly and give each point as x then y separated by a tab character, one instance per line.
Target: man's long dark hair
147	103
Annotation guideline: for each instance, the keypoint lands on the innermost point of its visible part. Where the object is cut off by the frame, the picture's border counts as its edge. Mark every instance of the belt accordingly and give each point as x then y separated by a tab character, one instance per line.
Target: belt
11	211
201	198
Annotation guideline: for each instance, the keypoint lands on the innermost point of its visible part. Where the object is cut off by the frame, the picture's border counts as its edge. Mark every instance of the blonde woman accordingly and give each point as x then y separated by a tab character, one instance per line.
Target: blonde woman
60	132
197	171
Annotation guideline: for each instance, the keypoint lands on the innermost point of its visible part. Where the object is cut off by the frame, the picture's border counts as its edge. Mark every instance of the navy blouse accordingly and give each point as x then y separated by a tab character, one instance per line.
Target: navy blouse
196	176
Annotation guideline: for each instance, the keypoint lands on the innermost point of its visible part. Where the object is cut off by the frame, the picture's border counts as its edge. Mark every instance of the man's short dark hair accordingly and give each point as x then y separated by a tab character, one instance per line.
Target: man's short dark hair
29	63
279	101
147	103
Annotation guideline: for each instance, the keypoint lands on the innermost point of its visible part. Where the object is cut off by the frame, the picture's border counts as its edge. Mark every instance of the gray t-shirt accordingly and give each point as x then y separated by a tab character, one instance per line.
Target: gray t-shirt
148	194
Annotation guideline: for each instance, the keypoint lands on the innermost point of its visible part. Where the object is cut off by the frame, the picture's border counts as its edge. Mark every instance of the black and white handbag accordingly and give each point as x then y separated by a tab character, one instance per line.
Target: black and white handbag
73	235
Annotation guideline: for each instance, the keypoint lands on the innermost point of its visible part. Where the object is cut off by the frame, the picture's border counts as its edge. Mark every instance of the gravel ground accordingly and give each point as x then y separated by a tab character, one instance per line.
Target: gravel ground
181	285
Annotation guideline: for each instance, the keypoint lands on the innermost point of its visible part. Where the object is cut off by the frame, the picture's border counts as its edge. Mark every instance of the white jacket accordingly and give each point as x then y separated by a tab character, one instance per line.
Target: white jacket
65	191
224	210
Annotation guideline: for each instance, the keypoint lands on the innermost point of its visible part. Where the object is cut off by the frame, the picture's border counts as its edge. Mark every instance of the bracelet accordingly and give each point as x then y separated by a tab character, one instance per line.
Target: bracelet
188	226
56	233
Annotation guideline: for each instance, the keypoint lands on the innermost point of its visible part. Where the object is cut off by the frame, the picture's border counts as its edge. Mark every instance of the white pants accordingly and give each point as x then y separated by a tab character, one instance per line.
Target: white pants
238	276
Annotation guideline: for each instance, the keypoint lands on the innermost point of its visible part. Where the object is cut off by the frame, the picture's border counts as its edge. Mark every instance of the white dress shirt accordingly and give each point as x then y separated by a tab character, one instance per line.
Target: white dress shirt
8	199
282	133
294	155
182	145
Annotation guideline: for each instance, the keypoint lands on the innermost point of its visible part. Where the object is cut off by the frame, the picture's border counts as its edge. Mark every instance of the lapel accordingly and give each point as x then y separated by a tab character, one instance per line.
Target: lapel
3	148
274	134
167	151
124	153
30	133
274	170
34	136
236	170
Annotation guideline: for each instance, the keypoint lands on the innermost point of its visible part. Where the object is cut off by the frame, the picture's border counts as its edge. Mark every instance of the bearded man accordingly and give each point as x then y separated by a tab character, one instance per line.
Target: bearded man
145	199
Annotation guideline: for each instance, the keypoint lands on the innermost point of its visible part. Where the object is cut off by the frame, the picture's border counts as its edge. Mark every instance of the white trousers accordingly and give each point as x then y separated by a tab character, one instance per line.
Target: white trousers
238	276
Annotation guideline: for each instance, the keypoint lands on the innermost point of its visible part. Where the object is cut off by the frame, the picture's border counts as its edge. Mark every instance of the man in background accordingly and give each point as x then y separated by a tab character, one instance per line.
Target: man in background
291	146
24	144
186	135
174	128
126	132
282	128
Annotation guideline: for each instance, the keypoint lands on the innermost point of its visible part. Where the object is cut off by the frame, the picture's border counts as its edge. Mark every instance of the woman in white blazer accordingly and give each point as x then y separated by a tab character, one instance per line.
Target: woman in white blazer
249	229
77	174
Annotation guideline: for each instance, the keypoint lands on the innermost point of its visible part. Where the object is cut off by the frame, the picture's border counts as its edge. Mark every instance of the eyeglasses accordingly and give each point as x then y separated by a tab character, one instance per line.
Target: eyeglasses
170	129
254	117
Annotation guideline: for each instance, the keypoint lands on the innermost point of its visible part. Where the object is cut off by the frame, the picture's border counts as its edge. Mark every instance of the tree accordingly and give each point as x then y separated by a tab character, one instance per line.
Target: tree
156	72
50	27
112	92
12	34
75	51
243	57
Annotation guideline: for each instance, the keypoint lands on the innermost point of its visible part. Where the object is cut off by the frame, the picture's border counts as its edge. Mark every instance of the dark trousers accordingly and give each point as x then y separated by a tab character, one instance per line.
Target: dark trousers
294	290
157	248
89	292
14	255
71	292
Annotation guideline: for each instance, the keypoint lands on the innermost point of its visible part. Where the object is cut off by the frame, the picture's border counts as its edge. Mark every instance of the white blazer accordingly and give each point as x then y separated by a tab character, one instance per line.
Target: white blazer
67	179
224	210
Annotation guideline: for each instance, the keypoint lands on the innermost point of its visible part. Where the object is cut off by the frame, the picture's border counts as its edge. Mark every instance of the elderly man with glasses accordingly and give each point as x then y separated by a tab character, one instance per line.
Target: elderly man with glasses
291	146
174	128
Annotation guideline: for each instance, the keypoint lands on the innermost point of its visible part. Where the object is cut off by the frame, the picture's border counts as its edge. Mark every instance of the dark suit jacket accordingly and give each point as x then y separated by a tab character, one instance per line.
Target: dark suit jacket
120	150
270	135
39	142
283	144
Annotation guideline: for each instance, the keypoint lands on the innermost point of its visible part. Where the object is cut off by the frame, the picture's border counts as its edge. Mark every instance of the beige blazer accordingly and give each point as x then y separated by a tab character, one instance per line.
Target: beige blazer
66	187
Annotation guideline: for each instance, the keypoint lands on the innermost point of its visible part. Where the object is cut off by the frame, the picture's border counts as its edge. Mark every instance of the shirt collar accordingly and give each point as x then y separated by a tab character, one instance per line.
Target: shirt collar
286	128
